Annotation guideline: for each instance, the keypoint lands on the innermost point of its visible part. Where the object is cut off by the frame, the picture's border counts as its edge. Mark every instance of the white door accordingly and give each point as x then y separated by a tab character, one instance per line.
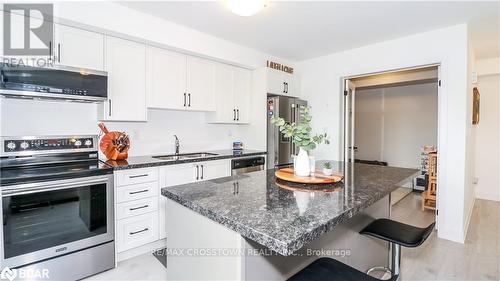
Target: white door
241	80
200	84
170	176
166	79
289	85
214	169
275	82
126	66
78	48
349	115
224	98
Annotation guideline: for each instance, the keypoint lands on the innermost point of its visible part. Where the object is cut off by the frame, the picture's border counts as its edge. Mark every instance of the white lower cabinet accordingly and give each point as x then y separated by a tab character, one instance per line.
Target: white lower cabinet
136	208
188	173
136	231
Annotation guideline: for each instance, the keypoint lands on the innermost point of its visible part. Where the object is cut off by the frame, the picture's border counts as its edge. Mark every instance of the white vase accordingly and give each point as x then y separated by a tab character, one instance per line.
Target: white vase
302	167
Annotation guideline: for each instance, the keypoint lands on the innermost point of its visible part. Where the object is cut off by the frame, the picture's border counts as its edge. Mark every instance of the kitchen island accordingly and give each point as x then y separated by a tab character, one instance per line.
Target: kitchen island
262	228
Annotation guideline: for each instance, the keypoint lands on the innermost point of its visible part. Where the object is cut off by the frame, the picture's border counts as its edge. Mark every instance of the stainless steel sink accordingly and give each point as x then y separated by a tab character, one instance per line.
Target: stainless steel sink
175	157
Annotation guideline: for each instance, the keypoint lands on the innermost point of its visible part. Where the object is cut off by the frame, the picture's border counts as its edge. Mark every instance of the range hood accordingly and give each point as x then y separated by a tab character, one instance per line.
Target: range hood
54	83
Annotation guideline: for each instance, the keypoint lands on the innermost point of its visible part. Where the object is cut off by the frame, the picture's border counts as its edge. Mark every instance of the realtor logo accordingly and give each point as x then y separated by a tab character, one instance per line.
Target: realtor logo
8	274
28	29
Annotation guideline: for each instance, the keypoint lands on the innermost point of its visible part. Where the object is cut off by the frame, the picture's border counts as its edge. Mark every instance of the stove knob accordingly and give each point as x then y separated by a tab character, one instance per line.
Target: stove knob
88	142
11	145
24	145
78	143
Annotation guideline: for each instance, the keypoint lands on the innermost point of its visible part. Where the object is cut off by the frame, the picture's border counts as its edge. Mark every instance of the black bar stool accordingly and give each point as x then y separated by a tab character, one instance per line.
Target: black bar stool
398	234
327	269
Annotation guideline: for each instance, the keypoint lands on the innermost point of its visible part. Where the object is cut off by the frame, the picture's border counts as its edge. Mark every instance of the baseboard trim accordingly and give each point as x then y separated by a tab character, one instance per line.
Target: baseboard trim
469	215
148	248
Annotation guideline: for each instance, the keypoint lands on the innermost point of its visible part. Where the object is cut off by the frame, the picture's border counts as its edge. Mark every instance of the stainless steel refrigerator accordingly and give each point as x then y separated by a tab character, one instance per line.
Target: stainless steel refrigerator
280	148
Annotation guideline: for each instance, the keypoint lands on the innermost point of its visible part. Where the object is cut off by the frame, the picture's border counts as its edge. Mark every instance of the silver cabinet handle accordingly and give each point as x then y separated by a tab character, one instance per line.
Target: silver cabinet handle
234	114
109	104
201	172
50	50
137	208
284	91
135	232
140	191
184	99
197	172
238	115
138	176
58	52
189	99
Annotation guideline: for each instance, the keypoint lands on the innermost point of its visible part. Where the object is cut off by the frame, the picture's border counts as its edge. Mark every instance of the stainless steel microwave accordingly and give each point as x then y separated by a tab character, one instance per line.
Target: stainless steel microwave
60	82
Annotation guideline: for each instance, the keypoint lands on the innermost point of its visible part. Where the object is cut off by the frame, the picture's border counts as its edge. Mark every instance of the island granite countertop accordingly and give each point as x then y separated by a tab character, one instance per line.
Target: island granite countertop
135	162
281	216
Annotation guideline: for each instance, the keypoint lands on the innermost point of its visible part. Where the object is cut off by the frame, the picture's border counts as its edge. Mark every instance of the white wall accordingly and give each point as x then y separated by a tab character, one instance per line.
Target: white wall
487	158
321	86
393	123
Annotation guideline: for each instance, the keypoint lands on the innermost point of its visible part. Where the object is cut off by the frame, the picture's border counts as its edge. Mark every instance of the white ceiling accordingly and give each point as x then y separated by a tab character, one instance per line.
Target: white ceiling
305	29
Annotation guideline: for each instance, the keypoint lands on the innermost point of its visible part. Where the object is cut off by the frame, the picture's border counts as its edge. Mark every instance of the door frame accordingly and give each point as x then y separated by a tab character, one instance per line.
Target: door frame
441	133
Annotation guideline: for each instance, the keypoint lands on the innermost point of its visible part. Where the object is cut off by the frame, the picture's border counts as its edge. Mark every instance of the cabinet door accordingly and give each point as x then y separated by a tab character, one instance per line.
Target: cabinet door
215	169
200	84
126	66
241	92
78	48
291	86
166	85
225	111
170	176
275	82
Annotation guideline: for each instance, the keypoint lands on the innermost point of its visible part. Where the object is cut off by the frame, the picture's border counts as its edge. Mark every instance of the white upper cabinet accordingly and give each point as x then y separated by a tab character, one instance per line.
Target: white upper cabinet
126	67
177	81
281	83
78	48
166	87
232	95
200	84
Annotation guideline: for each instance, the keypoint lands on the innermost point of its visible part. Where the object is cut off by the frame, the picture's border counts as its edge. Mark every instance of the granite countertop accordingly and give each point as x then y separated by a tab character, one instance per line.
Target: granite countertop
134	162
286	218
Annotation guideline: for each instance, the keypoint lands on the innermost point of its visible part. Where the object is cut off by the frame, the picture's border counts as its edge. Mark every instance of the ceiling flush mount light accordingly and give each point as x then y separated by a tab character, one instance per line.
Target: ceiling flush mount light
245	8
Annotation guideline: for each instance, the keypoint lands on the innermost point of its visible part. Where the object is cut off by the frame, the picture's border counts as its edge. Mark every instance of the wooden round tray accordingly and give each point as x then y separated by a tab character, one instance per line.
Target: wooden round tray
287	174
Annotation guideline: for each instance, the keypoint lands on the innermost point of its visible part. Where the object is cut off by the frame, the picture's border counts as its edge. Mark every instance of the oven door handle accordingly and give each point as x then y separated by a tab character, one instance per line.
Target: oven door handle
30	188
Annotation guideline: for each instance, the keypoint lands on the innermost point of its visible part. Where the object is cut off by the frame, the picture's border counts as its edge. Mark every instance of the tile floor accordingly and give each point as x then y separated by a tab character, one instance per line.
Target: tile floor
436	259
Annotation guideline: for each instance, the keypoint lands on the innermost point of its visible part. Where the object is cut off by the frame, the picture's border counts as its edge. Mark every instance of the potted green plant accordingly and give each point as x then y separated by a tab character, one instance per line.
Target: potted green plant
301	135
328	169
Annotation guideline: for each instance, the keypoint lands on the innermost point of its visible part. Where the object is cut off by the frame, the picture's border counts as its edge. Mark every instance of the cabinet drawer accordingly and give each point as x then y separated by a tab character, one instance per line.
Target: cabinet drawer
136	191
136	231
134	176
136	207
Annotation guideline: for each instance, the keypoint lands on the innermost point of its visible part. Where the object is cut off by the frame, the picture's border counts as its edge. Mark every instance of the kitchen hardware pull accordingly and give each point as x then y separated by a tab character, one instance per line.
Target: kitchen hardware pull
184	99
237	187
135	232
197	172
109	104
237	115
138	176
58	52
201	172
284	87
50	50
30	188
189	99
140	191
234	114
137	208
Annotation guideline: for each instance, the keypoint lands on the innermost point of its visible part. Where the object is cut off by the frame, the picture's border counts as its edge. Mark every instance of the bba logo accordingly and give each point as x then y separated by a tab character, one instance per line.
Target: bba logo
24	274
8	274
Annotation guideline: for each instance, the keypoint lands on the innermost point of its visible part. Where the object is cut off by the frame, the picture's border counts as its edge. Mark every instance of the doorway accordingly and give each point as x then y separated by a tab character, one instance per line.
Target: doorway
391	118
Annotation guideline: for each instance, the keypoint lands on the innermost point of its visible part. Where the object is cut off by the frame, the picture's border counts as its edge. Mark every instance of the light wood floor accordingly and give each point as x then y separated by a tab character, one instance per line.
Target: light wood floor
436	259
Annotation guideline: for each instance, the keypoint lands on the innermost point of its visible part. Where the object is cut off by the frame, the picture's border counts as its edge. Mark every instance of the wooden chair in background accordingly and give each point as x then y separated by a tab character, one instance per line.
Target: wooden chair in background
429	195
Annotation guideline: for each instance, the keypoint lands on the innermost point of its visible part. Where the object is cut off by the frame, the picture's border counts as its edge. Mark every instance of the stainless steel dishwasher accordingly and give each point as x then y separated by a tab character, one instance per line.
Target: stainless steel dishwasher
246	165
